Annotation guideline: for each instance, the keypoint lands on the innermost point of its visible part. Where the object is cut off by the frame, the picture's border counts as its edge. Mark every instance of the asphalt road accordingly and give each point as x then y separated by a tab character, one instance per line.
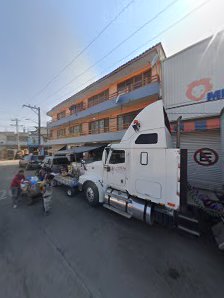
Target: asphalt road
78	251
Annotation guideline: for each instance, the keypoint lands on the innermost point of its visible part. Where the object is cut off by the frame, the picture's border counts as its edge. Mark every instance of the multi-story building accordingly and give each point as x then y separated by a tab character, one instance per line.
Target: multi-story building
9	143
102	112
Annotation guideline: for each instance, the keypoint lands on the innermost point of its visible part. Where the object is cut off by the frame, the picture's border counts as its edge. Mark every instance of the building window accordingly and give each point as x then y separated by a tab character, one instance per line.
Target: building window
76	108
61	115
98	98
23	139
75	130
135	82
99	126
11	138
61	133
124	121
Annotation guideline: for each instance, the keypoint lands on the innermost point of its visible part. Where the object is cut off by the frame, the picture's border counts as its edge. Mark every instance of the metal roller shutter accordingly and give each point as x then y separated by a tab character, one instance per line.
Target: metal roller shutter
204	175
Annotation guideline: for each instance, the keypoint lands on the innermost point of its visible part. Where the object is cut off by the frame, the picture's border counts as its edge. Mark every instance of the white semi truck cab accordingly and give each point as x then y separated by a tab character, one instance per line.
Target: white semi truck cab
141	176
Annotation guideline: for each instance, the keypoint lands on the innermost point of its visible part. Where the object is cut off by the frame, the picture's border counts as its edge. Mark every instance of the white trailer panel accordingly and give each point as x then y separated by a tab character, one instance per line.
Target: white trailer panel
194	79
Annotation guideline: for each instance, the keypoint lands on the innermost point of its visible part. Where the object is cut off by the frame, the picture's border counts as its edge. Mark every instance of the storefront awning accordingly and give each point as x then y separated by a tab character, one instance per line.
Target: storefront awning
56	148
197	125
77	150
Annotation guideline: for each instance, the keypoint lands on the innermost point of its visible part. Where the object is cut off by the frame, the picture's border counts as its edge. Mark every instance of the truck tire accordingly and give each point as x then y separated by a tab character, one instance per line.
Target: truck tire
92	194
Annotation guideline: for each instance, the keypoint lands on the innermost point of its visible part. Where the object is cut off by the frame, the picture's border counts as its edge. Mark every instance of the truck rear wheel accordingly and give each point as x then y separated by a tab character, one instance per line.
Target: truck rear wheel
91	193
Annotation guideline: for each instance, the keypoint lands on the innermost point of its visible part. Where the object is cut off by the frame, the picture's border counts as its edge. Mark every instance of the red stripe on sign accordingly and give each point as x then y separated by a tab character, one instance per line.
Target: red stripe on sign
213	123
189	126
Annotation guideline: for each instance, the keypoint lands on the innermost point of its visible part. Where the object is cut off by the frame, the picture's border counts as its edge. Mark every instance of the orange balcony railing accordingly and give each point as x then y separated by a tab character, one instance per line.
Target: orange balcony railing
111	128
127	89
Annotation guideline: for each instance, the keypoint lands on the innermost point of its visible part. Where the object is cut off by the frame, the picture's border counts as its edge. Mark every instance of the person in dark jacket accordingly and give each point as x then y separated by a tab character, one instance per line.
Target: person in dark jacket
47	193
15	187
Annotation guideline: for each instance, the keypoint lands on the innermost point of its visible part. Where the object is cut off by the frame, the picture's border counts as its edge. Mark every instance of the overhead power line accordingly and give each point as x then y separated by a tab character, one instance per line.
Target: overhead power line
83	50
136	49
36	110
16	125
117	46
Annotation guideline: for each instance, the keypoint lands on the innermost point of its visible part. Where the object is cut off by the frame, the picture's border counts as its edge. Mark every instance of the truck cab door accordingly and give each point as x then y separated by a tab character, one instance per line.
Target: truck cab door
115	169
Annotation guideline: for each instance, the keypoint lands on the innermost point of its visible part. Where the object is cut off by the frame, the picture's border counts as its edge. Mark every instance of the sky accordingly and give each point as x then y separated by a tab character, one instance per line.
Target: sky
50	49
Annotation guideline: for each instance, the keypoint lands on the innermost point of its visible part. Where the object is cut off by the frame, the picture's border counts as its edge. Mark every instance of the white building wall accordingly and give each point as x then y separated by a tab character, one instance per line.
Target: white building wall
188	77
204	169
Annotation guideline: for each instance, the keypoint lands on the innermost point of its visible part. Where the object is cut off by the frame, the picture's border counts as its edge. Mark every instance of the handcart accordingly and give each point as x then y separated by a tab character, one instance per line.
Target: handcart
31	189
70	182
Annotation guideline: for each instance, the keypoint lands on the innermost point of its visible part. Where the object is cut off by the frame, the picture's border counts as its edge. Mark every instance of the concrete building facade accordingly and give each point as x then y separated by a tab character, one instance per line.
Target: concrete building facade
9	143
102	112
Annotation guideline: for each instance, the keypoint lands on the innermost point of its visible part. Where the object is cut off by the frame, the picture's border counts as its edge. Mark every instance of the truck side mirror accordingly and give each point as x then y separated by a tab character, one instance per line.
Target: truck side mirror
104	157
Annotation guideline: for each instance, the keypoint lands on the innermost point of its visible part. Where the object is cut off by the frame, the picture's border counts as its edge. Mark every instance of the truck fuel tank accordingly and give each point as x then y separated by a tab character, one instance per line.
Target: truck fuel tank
132	206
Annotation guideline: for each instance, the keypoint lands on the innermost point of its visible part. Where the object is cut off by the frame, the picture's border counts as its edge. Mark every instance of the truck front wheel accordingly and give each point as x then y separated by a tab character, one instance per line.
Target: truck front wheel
92	193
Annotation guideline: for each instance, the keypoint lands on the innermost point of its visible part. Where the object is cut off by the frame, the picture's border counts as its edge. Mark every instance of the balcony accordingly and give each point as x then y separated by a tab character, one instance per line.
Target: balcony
102	134
133	92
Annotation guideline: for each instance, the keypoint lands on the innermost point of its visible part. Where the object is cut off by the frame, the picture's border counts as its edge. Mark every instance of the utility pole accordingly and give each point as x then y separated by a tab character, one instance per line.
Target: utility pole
36	110
16	120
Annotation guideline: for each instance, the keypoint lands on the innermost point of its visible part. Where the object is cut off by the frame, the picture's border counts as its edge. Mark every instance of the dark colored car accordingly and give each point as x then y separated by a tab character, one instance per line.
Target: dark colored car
31	162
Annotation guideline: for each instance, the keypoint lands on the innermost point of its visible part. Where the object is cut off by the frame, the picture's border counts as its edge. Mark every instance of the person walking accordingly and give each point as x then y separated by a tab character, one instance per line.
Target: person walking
47	193
15	187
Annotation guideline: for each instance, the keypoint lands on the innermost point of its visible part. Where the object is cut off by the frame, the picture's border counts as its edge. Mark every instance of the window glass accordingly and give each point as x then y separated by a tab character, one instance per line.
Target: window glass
77	129
147	76
148	138
99	126
137	81
117	156
123	121
34	158
61	115
61	132
76	108
98	98
121	87
61	161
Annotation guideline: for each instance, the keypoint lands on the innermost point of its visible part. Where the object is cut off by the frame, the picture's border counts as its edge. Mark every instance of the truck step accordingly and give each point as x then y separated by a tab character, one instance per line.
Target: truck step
188	218
125	214
188	223
187	230
117	194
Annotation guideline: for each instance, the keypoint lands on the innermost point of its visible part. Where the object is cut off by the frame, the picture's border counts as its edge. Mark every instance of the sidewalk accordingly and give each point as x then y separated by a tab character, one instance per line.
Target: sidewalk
9	162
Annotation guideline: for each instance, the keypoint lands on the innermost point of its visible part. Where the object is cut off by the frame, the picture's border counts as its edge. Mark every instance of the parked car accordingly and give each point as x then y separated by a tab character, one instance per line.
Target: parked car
55	163
31	162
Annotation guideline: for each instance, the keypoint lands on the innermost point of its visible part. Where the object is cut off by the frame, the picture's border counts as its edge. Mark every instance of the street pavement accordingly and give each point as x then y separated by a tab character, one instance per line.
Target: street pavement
79	251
